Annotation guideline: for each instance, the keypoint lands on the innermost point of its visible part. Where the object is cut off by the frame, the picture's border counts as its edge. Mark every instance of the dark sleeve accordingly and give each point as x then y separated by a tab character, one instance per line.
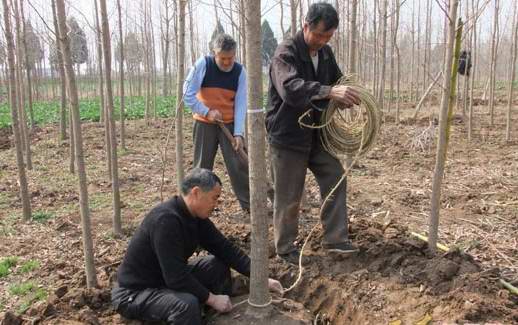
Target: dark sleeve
167	240
289	84
218	245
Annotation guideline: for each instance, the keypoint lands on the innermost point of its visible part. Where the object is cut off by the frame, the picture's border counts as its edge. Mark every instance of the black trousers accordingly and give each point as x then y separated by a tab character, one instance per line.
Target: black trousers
207	137
173	307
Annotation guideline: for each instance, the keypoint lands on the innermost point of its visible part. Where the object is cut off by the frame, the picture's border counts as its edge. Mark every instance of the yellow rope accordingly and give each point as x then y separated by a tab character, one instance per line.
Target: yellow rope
345	131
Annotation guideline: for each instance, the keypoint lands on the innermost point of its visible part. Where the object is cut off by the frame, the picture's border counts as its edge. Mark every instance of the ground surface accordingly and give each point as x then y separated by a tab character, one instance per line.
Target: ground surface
393	278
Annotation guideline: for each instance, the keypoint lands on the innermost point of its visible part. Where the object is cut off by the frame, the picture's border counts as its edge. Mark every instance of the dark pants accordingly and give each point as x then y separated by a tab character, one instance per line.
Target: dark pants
207	137
289	173
173	307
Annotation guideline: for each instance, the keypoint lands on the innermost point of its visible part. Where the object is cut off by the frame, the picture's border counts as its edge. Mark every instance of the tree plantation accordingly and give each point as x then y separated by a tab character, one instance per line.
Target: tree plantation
258	162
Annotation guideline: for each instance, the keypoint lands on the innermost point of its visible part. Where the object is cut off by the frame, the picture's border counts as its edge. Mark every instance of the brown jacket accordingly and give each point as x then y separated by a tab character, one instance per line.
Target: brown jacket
293	83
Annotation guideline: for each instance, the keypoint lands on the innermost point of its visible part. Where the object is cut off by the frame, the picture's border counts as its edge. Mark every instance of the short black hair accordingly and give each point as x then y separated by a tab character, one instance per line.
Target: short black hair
201	177
322	11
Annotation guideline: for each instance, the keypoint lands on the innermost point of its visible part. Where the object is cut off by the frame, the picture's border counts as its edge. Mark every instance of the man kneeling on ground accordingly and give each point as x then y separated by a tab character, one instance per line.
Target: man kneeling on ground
157	281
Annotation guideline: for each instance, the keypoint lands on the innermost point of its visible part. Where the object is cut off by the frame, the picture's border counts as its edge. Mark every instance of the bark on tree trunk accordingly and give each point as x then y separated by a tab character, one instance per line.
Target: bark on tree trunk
27	68
446	114
179	93
26	138
512	75
102	99
13	100
381	90
61	69
64	44
494	57
259	294
353	38
117	224
121	80
293	17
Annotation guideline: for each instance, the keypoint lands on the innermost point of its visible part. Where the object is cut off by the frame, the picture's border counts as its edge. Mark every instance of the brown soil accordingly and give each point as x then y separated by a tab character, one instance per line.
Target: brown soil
392	278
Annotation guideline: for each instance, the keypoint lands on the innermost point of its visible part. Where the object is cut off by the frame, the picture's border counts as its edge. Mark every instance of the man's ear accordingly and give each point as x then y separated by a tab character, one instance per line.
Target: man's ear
195	191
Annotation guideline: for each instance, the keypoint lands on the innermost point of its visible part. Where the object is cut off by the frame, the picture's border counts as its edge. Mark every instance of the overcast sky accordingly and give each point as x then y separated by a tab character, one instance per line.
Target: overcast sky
205	17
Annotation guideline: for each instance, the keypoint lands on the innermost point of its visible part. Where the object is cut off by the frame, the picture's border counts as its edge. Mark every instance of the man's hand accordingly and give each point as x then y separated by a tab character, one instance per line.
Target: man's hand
239	143
275	286
221	303
346	95
214	115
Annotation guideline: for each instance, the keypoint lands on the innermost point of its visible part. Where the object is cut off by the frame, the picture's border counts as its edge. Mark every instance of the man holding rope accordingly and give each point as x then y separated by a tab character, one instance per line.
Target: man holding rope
302	73
215	90
158	280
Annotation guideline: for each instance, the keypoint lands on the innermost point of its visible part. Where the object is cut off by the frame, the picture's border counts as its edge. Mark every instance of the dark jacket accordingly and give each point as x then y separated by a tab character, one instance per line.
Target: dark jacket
292	84
158	251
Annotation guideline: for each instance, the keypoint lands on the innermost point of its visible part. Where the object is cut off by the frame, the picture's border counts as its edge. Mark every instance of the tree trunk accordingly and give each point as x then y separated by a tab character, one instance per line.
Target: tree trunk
121	80
494	57
13	100
353	44
446	114
26	137
117	225
259	294
381	90
281	21
166	43
61	69
179	93
64	44
153	66
513	71
192	40
293	8
475	63
27	68
102	99
242	22
398	59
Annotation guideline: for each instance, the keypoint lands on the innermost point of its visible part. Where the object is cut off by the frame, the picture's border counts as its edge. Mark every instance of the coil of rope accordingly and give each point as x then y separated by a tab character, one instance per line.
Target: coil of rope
343	136
345	131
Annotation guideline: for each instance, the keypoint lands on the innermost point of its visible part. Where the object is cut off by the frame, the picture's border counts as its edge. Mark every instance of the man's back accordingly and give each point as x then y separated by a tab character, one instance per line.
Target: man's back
141	266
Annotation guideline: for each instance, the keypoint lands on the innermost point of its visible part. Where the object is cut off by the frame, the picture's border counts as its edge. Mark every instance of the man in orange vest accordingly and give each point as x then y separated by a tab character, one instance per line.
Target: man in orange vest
216	91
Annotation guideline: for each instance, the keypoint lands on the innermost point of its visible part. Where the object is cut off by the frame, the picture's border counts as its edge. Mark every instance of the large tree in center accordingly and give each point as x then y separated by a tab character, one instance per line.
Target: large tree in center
259	294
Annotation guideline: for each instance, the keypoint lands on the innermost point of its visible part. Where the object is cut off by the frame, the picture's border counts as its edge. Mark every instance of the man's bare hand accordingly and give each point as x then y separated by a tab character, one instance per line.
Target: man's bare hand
346	95
239	143
221	303
214	115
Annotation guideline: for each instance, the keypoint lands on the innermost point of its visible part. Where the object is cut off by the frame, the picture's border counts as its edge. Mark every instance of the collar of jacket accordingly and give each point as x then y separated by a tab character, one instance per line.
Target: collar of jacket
182	207
304	50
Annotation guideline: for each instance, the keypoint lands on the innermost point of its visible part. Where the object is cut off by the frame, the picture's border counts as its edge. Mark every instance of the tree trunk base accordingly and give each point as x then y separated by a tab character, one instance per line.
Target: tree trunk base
281	311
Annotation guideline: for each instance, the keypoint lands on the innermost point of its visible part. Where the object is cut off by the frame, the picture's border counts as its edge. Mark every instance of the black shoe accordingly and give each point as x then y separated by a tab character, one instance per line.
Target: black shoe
291	257
342	248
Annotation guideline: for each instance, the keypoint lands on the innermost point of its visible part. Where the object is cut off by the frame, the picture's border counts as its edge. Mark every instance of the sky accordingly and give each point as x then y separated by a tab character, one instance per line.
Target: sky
205	17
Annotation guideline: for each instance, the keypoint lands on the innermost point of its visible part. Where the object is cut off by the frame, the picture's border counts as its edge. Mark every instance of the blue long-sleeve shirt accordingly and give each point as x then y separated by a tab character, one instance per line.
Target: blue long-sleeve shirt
192	86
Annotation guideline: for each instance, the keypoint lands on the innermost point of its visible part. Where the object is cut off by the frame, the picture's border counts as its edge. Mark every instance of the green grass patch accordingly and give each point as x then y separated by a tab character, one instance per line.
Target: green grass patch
46	112
6	264
29	266
21	289
7	225
41	217
100	200
39	294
